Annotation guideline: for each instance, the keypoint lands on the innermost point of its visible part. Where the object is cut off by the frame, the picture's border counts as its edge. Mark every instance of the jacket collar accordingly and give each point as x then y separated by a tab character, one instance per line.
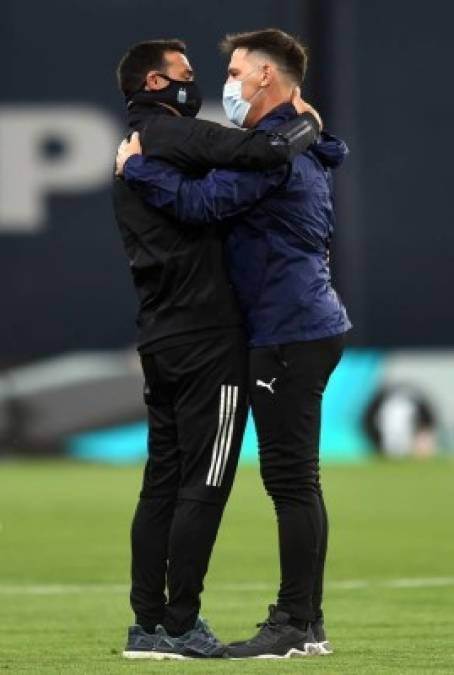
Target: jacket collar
277	116
140	108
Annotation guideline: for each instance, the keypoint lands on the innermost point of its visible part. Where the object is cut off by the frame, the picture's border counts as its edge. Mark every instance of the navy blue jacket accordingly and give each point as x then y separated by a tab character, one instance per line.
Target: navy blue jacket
281	223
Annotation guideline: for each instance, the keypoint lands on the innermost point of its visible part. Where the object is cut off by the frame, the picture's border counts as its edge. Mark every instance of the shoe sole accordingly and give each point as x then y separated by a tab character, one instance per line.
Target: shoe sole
309	650
325	649
156	656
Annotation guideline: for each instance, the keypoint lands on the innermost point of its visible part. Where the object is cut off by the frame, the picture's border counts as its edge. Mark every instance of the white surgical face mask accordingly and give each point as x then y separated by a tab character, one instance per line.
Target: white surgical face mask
235	106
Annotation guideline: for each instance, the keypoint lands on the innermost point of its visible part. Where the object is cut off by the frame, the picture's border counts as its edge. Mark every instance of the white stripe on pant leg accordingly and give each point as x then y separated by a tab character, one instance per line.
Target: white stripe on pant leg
222	442
226	440
218	434
229	435
223	438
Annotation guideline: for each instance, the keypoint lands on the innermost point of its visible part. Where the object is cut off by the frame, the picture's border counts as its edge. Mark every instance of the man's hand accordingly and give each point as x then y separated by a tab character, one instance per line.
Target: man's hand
125	150
301	106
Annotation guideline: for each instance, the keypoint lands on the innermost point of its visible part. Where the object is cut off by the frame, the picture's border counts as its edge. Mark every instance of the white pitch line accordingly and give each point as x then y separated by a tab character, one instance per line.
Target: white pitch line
423	582
251	587
60	589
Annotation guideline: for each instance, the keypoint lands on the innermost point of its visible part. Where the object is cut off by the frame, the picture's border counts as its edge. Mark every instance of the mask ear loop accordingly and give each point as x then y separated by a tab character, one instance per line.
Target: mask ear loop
166	77
245	78
130	96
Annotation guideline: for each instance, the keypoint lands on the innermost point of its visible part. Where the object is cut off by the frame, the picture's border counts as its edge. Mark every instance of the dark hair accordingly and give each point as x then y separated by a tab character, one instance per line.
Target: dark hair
141	58
286	51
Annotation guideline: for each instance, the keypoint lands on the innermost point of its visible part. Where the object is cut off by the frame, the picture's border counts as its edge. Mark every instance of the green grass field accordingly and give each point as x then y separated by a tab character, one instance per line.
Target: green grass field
64	563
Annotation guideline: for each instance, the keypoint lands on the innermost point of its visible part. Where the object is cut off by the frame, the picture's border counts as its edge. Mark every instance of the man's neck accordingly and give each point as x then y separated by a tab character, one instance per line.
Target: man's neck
271	101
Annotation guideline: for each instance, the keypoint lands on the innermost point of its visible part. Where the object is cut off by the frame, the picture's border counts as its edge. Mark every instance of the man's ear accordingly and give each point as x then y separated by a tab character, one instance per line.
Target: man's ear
152	81
267	75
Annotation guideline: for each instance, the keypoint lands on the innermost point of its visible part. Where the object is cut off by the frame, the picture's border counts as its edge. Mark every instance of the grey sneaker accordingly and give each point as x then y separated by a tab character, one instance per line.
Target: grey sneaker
318	628
158	645
199	642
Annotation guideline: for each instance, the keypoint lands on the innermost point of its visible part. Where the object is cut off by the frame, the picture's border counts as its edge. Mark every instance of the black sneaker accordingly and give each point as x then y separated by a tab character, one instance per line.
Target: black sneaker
199	642
276	639
318	628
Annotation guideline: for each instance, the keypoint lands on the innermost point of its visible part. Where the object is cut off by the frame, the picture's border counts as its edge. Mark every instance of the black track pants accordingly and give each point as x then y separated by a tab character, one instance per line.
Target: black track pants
286	387
197	413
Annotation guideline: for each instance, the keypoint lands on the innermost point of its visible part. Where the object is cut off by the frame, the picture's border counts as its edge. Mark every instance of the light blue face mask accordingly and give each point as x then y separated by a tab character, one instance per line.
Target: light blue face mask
236	107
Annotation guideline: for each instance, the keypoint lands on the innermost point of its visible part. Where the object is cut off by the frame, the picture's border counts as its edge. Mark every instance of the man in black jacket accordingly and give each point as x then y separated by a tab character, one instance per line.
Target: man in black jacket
192	348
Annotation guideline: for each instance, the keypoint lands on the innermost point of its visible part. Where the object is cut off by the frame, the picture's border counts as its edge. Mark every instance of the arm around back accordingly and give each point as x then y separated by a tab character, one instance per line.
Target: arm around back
215	197
197	146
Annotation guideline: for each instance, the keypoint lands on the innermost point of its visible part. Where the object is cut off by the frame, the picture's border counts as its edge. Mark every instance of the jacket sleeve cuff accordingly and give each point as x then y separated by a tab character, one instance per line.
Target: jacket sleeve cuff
132	167
298	134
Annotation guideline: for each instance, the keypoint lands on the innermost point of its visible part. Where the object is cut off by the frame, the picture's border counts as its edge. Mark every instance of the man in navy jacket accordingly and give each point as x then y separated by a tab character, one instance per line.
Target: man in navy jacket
281	223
